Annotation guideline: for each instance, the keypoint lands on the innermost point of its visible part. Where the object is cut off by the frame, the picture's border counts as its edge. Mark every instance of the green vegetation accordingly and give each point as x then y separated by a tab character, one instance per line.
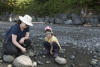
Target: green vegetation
47	7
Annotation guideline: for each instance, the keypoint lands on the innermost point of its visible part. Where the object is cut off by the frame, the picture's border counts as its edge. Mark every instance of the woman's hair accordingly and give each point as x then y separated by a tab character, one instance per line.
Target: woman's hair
18	22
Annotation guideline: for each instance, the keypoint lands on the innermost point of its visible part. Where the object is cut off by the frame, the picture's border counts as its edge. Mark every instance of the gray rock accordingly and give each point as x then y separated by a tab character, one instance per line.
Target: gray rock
40	19
72	65
76	19
46	20
47	62
22	61
72	57
34	64
8	58
99	17
59	21
93	20
39	62
9	65
61	16
60	60
68	22
52	20
94	61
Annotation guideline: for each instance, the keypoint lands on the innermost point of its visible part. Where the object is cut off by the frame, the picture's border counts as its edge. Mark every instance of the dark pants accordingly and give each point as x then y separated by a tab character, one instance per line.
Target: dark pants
10	49
48	47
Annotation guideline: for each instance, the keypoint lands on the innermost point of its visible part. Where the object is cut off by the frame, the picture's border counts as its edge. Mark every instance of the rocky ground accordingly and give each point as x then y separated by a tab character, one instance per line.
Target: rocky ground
81	45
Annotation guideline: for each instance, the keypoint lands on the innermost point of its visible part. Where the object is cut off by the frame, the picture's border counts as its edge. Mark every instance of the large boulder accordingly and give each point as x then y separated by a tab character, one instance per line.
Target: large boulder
60	60
22	61
77	20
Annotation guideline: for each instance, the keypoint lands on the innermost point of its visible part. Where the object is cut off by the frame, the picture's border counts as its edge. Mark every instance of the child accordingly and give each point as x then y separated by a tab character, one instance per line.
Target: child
51	43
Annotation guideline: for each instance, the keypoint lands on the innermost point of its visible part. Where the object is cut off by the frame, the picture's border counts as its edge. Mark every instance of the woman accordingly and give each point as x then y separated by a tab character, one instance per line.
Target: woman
17	38
51	43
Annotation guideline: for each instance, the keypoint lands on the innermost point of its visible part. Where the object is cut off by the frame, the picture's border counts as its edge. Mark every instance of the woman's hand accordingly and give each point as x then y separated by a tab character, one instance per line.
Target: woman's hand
22	40
23	50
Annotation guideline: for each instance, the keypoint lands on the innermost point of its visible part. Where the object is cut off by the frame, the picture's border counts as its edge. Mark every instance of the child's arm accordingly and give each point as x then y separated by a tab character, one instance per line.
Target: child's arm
51	48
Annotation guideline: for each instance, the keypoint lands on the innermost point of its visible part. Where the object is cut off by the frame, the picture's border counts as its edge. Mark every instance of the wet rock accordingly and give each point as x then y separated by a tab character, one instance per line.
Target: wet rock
33	19
76	19
22	61
60	18
8	58
60	60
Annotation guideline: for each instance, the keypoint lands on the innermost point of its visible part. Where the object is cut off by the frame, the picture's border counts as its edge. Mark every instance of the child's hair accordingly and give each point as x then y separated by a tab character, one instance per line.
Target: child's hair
48	30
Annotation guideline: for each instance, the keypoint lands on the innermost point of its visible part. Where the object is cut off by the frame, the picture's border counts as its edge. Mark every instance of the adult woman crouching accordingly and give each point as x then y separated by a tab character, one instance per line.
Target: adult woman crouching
17	37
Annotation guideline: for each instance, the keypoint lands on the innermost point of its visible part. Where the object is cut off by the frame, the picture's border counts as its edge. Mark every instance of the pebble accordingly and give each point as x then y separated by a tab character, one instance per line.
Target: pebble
34	64
9	65
40	63
43	56
72	57
94	61
47	62
1	61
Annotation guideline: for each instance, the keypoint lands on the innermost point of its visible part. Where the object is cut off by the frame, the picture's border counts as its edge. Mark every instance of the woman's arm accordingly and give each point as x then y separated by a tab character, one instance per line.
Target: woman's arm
24	38
51	49
14	37
27	35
